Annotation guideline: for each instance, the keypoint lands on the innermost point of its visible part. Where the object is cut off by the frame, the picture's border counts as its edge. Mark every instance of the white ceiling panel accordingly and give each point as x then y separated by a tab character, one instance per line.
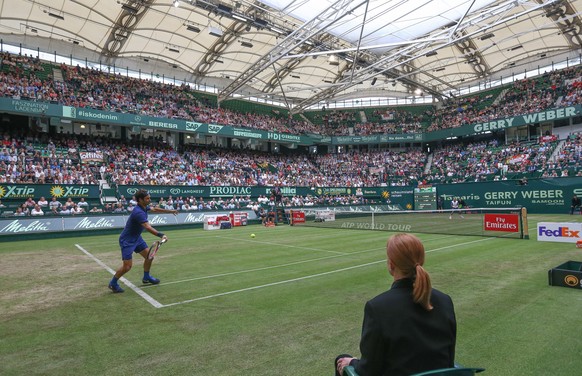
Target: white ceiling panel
301	51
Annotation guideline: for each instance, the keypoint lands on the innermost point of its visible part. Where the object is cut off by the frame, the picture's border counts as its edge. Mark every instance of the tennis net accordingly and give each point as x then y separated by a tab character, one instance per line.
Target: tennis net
491	222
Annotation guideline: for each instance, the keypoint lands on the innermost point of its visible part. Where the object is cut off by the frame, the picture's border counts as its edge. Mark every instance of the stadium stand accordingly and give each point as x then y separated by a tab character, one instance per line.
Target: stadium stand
23	77
34	157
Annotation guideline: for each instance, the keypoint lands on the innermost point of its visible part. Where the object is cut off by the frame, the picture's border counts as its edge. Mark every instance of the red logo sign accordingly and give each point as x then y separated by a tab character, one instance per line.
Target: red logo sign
298	217
501	222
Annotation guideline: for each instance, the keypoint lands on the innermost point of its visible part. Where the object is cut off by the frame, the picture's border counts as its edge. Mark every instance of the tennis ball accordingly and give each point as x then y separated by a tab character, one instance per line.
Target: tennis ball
252	235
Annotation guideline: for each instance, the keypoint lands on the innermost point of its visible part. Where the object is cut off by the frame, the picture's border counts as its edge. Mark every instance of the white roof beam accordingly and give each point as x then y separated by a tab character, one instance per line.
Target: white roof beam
309	29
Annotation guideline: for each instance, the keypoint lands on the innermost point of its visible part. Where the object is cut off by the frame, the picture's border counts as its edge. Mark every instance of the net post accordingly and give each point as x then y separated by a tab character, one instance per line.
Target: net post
524	226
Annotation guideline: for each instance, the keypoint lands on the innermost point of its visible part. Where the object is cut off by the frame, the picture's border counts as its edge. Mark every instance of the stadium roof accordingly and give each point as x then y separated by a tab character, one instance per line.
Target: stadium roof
303	53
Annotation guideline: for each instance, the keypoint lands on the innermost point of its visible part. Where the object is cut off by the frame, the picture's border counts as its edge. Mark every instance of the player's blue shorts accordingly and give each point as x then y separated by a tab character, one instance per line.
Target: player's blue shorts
128	247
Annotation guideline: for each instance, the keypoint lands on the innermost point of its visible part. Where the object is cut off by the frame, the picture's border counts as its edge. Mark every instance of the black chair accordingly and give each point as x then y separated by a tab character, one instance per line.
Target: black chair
457	371
349	371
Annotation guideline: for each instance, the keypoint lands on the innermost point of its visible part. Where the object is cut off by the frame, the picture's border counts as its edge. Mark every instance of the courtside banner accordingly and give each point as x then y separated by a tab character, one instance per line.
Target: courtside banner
213	221
501	222
93	223
30	226
297	216
561	232
27	225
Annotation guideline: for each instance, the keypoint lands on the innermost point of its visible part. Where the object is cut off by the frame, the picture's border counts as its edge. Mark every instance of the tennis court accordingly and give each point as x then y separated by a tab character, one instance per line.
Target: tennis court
285	302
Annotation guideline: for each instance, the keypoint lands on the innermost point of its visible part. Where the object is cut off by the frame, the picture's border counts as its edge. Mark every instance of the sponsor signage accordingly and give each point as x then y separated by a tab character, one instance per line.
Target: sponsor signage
376	139
322	191
402	196
503	123
501	222
162	219
213	221
561	232
229	191
93	223
247	133
17	191
283	137
91	156
548	115
190	218
28	107
88	114
238	218
52	110
539	196
29	226
297	216
11	226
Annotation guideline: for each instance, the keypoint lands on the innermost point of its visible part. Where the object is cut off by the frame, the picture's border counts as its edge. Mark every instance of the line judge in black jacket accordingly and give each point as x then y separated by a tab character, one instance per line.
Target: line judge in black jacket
410	328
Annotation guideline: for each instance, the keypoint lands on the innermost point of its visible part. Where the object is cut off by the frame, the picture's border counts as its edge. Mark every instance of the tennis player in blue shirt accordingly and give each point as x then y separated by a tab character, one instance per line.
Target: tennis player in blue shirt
131	241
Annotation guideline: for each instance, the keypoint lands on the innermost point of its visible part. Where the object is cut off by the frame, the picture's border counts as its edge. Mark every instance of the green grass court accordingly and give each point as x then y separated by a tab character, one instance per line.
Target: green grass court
284	303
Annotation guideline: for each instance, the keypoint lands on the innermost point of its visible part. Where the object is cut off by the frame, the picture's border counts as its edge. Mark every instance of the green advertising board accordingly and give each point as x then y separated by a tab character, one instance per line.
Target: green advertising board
36	191
206	192
52	110
539	196
501	124
403	196
377	139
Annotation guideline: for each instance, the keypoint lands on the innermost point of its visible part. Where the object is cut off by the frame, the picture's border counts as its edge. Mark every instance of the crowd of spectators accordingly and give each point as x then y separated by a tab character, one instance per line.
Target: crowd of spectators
34	157
42	207
20	78
482	161
102	91
552	89
26	159
567	161
220	167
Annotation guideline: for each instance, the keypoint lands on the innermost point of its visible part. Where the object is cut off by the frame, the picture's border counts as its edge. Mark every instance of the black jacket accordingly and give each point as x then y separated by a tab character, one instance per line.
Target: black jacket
399	337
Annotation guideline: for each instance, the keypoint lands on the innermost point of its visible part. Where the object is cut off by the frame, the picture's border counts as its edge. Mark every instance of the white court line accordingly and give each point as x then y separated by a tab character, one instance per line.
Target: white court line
139	291
265	268
272	284
283	245
276	266
308	277
456	245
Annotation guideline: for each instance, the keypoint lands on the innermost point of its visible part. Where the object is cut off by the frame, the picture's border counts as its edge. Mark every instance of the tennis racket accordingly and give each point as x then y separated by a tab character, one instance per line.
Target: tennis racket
154	248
